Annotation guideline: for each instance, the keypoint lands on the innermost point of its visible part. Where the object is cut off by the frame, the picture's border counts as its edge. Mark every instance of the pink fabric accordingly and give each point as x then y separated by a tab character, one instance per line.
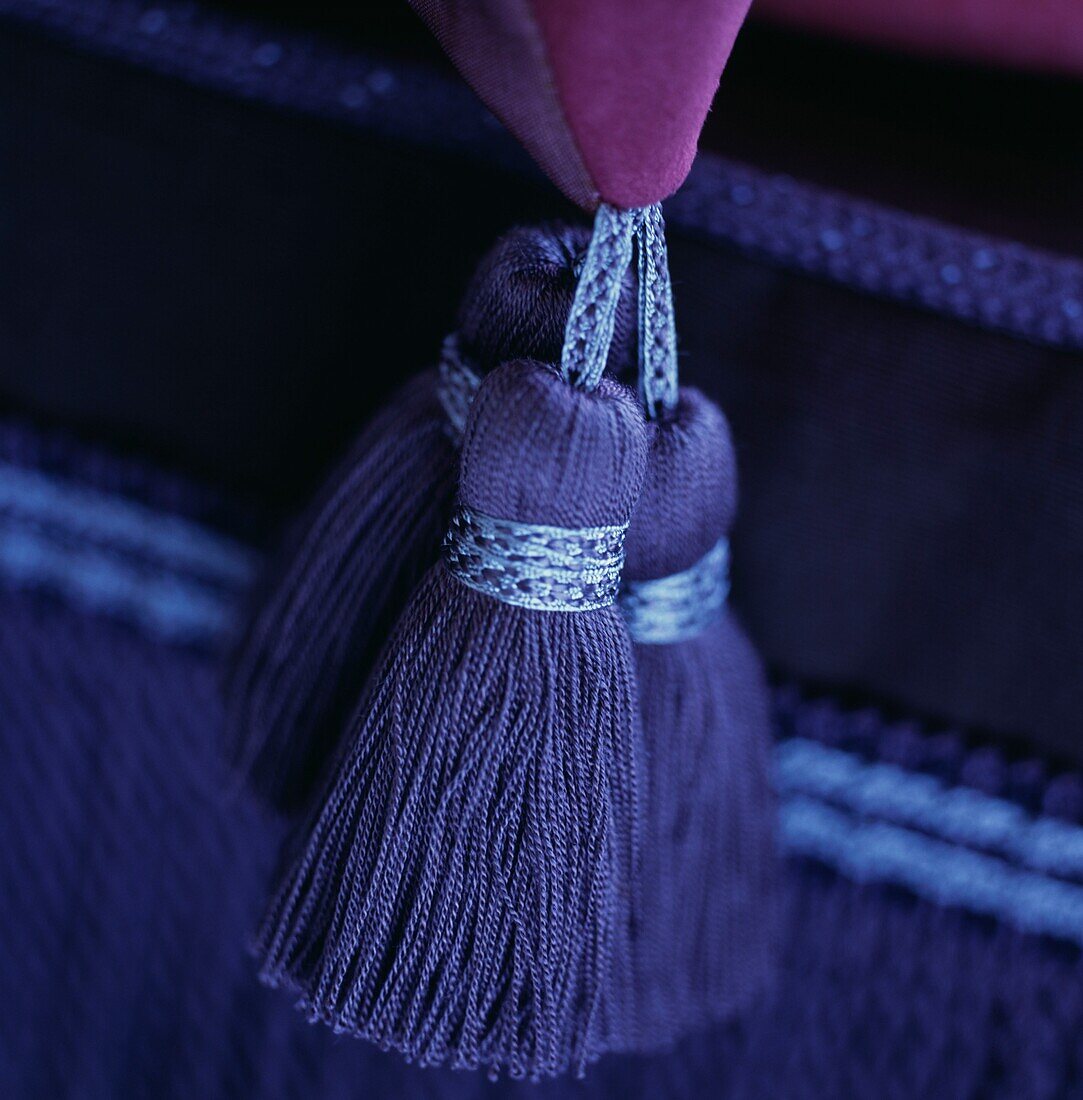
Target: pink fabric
1045	35
635	79
609	96
497	47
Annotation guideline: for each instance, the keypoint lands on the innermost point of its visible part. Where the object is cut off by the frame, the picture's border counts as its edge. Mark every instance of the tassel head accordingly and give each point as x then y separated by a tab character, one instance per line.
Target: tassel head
689	498
538	450
517	304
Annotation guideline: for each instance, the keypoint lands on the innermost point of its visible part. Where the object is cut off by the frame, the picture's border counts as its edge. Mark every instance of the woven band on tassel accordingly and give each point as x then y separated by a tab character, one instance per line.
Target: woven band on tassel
533	565
680	606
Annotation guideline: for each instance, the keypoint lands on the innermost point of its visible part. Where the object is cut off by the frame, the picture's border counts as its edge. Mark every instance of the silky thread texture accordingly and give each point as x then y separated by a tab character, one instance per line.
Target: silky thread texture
704	925
462	894
352	560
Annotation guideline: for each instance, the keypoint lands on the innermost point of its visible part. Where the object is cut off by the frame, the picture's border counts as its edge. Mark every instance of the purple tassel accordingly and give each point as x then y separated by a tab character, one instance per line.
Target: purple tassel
376	527
461	897
704	913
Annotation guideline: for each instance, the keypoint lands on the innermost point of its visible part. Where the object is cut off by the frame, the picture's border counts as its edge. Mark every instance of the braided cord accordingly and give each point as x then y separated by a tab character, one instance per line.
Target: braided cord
657	331
618	236
680	606
533	565
593	315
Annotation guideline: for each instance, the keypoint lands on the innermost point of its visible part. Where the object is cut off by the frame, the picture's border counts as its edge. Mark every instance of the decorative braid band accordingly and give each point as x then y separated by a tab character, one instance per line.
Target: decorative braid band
674	608
532	565
457	383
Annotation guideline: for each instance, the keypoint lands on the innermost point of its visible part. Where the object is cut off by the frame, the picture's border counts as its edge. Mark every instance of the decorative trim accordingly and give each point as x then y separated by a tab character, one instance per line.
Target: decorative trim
951	756
671	609
124	525
157	600
533	565
869	248
875	852
170	576
957	815
987	281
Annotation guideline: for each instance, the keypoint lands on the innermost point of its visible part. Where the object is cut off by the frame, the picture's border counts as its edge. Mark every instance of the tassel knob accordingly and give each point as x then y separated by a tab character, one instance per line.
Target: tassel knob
689	499
540	451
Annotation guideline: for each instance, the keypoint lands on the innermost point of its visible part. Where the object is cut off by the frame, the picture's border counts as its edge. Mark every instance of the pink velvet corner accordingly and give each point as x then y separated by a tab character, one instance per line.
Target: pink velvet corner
1046	35
497	47
635	79
608	96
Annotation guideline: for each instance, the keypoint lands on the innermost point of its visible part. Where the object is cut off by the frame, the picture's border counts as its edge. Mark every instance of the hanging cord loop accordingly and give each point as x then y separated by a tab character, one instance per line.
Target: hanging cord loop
618	236
657	330
593	315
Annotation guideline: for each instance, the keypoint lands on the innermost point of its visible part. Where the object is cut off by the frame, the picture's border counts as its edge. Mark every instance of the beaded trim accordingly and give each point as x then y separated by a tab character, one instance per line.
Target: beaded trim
674	608
994	283
533	565
457	384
